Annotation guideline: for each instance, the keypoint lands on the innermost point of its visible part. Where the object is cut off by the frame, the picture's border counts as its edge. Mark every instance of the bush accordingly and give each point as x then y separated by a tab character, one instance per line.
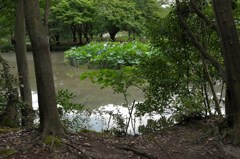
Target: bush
7	48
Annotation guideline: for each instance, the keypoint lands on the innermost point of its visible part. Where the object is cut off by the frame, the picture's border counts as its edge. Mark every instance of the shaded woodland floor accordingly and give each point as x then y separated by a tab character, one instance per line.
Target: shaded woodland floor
191	141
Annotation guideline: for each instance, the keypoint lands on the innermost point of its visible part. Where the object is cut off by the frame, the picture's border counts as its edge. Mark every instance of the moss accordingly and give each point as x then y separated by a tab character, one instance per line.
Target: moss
6	130
53	140
7	152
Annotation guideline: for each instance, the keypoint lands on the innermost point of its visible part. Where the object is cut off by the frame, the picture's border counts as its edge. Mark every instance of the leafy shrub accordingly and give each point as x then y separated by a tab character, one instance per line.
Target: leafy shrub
108	55
64	98
156	125
7	48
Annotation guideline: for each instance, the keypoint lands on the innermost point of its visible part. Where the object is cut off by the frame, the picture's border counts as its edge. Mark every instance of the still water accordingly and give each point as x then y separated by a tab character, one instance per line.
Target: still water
67	77
102	101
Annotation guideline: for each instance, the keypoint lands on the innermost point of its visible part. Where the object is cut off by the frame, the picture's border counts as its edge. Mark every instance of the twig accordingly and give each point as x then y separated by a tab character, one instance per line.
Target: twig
130	111
138	152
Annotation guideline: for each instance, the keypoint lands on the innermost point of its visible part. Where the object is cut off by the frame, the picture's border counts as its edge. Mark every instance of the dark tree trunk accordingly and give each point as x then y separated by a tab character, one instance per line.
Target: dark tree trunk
230	41
113	32
22	65
49	118
86	33
74	33
112	36
57	38
80	34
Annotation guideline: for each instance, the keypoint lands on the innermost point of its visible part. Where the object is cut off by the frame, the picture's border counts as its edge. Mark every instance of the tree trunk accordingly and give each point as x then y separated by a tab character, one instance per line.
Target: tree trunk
23	72
74	33
112	36
231	46
49	118
46	13
113	32
80	34
211	85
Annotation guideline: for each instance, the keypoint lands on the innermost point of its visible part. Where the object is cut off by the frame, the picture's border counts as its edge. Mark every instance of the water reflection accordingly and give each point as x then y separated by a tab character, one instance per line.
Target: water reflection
101	119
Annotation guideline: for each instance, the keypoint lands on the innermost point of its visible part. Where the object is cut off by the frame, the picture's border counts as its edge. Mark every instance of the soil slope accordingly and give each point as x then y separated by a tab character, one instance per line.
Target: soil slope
179	142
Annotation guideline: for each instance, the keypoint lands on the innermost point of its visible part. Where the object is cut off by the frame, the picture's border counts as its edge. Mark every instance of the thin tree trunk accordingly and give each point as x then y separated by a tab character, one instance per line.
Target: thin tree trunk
207	99
215	99
74	33
230	42
22	65
49	118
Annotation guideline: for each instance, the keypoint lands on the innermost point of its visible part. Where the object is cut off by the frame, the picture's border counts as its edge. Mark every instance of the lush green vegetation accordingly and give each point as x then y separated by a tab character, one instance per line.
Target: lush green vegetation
177	70
108	54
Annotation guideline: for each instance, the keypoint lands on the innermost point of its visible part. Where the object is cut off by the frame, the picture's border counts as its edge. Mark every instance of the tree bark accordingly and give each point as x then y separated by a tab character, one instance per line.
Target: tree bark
230	41
46	13
22	65
49	118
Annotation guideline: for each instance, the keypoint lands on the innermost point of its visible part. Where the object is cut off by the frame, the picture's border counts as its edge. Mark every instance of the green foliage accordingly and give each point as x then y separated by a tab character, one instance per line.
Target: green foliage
7	20
113	16
67	107
108	55
174	71
7	47
156	125
7	85
64	98
119	80
120	129
74	11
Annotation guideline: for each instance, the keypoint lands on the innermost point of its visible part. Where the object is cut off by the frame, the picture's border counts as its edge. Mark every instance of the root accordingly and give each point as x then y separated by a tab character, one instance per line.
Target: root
82	154
138	152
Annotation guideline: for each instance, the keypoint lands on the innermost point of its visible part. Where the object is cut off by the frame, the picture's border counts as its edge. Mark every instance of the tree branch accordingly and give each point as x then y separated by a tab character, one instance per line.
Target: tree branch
202	15
199	46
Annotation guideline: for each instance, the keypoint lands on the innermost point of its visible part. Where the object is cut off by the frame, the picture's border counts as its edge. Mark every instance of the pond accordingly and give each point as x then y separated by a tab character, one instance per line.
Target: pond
67	77
102	101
